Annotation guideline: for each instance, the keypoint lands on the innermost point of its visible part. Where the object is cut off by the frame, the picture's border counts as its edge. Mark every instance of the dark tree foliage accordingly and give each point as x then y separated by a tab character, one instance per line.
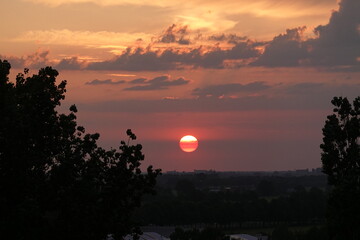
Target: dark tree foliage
55	181
341	162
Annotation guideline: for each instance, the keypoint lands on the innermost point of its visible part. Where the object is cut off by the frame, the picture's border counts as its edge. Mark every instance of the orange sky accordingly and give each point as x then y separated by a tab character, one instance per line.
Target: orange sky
251	79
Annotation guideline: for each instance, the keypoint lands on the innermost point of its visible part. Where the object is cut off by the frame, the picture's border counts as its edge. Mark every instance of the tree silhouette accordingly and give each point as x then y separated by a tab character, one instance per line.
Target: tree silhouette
341	162
55	181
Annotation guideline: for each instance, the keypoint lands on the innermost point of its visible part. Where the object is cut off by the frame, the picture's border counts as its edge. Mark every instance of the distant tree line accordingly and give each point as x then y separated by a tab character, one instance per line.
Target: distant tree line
188	205
271	185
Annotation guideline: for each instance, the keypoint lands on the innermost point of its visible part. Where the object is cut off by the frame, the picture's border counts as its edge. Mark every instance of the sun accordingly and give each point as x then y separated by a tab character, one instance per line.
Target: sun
188	143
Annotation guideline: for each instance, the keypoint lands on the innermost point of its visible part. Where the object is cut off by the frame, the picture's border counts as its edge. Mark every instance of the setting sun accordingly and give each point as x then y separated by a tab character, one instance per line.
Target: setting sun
188	143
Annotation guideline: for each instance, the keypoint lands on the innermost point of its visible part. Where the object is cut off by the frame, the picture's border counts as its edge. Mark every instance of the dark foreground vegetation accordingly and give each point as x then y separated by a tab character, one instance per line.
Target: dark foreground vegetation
55	182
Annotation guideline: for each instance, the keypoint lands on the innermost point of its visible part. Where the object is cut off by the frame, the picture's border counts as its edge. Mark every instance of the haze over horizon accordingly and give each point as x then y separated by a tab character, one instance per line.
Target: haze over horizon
251	80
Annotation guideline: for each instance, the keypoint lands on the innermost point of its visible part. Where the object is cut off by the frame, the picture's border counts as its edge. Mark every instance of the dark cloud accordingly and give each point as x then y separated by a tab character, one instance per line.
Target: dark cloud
243	50
285	50
70	64
105	82
176	34
138	59
158	83
231	88
230	38
138	80
38	59
145	59
14	61
338	42
337	46
184	41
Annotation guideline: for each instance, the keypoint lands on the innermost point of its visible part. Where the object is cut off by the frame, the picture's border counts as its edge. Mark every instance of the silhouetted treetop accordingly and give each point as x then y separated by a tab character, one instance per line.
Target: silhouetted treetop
340	146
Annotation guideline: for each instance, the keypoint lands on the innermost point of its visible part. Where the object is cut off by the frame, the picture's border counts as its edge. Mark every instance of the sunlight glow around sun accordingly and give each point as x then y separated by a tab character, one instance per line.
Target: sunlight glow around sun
188	143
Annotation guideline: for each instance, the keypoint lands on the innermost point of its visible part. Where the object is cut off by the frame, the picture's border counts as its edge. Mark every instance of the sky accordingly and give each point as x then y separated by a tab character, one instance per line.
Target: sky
252	80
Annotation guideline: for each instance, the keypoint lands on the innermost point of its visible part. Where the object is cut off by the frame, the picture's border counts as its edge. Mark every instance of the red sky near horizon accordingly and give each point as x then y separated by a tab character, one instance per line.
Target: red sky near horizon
252	80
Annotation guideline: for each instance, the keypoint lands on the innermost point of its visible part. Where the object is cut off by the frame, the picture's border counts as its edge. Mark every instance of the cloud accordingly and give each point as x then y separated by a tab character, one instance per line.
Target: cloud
285	50
138	59
244	50
105	82
336	47
73	63
186	34
147	59
15	62
175	34
338	42
231	88
230	38
138	80
157	83
38	59
160	55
